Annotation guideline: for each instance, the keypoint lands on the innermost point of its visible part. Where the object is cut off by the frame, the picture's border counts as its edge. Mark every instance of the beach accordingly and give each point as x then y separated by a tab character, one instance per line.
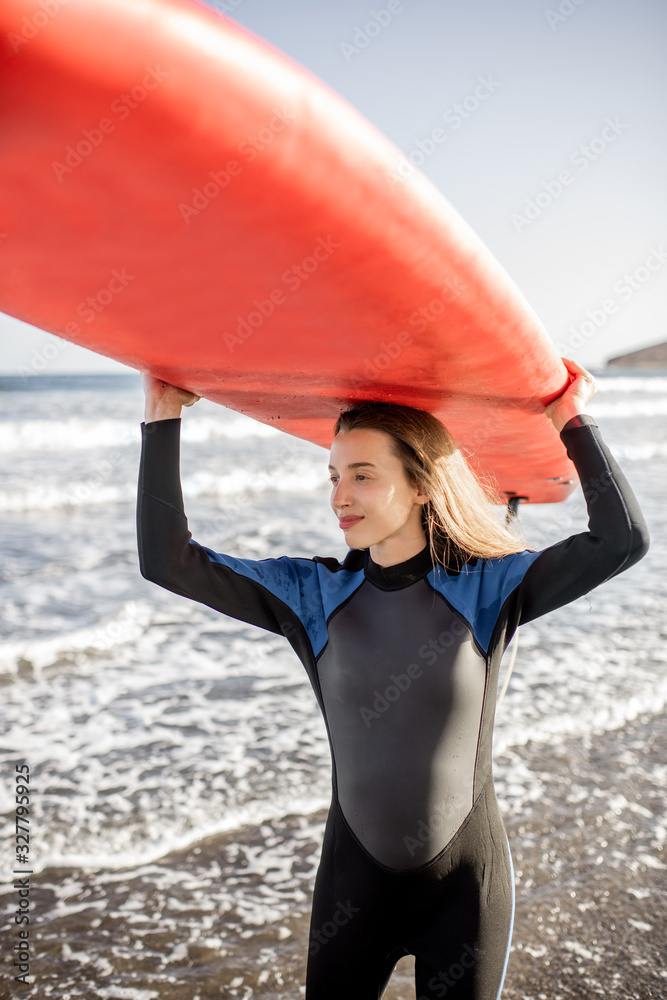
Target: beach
179	767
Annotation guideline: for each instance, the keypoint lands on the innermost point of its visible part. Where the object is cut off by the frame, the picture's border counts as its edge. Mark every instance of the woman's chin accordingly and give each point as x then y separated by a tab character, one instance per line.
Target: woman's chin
357	539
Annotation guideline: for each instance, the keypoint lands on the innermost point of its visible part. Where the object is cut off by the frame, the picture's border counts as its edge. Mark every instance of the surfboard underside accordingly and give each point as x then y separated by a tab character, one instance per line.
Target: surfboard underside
178	195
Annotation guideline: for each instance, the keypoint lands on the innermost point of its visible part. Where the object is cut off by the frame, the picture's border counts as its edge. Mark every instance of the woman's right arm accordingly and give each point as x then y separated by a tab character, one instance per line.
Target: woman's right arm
265	592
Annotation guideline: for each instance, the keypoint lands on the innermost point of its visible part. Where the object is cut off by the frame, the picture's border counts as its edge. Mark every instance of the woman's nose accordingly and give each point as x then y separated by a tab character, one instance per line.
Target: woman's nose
340	498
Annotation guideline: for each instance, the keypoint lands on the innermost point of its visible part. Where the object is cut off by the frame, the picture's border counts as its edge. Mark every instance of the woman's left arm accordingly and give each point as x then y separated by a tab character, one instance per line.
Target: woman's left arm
617	535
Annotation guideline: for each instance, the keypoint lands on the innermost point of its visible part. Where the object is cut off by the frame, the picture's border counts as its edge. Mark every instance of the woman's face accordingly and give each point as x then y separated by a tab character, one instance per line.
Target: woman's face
369	482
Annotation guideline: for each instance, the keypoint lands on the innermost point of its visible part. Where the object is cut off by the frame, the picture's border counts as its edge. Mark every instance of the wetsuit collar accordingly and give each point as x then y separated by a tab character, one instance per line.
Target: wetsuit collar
401	574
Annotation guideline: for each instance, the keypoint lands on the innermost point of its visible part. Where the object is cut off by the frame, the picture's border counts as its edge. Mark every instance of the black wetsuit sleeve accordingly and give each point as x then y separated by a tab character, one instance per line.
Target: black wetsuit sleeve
617	535
169	558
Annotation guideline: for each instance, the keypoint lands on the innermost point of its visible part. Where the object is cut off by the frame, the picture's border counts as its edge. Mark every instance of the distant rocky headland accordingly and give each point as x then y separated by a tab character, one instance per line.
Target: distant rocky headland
647	357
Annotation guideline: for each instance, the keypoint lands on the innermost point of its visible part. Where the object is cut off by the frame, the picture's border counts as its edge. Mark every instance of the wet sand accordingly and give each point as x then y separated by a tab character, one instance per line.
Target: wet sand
229	917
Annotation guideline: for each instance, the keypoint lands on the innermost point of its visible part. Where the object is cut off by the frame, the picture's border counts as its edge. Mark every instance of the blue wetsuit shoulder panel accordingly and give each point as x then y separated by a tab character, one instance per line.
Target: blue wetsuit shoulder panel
479	591
307	586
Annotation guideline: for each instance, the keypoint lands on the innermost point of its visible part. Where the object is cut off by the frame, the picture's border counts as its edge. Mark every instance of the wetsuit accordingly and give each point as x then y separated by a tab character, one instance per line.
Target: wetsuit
404	663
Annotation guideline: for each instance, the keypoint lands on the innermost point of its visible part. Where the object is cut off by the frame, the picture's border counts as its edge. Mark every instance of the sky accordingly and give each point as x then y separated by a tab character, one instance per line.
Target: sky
550	140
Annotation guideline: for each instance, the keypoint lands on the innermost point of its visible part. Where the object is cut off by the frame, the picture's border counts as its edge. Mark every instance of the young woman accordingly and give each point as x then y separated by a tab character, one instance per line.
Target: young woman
402	642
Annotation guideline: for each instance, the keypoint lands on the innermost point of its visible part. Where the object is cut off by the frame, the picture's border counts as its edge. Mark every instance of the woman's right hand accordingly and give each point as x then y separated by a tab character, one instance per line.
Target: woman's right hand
164	401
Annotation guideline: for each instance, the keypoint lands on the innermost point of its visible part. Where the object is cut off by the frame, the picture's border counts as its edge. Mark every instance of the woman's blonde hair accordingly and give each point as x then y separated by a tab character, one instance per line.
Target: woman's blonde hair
459	518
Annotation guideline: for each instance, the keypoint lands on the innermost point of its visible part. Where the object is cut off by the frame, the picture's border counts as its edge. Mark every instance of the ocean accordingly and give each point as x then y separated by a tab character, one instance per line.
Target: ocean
178	763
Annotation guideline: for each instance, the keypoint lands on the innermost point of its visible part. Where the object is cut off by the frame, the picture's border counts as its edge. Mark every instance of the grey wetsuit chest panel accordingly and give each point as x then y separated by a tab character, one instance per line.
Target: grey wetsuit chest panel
403	686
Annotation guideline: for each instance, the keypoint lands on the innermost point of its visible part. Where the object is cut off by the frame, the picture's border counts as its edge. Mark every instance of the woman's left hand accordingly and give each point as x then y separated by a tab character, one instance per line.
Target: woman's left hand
574	398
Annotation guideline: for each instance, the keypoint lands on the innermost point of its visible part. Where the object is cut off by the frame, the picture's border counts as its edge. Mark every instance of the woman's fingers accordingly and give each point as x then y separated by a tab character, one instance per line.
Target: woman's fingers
157	388
583	385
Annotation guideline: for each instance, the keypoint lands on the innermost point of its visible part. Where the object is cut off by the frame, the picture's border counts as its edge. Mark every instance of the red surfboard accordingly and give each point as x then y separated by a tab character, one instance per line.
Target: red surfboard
180	196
